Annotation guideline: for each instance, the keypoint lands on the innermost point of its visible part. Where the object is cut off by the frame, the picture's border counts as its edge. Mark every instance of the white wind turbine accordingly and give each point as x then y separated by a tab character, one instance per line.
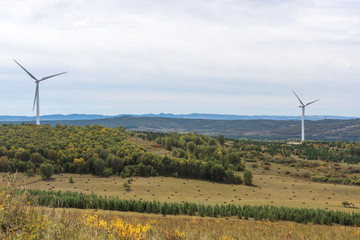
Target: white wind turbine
303	115
36	99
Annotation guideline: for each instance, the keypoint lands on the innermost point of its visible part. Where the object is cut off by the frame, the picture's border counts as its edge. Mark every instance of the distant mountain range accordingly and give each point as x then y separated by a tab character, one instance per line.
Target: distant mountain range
207	116
327	129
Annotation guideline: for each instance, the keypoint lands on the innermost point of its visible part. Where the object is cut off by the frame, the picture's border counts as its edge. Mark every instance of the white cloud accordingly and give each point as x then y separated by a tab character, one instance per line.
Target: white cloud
233	50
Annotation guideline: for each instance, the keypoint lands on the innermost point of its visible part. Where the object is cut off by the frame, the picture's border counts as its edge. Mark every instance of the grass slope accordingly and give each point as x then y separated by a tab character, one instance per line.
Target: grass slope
268	190
33	222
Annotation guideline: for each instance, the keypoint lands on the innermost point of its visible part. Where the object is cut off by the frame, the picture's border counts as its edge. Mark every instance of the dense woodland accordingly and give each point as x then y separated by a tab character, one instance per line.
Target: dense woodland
100	151
106	151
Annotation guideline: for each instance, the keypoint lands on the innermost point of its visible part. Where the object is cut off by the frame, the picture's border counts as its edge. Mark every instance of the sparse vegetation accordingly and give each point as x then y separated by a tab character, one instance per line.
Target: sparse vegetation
127	186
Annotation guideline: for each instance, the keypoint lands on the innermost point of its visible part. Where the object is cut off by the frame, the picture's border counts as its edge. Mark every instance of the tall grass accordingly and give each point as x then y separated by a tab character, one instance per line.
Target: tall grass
21	219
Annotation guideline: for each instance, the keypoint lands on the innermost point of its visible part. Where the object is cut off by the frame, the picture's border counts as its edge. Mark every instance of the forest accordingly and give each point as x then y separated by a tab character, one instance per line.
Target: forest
100	151
106	151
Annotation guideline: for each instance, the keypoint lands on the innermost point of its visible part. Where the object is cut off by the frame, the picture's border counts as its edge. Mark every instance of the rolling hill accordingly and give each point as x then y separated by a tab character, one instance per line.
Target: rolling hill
208	116
328	129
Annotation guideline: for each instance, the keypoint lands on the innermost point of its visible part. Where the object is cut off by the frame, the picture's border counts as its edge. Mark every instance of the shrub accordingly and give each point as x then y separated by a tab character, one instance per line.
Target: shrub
36	158
221	139
250	160
229	176
248	177
116	228
357	182
217	172
306	175
107	172
46	170
3	162
71	179
127	186
168	144
99	166
30	172
237	179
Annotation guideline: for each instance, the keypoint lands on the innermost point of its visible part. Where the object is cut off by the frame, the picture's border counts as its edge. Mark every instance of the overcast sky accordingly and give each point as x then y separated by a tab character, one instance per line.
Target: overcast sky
181	56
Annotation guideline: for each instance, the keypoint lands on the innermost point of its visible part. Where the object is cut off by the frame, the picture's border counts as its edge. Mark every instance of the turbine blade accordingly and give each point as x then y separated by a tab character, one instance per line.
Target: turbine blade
26	71
36	94
44	78
298	98
311	102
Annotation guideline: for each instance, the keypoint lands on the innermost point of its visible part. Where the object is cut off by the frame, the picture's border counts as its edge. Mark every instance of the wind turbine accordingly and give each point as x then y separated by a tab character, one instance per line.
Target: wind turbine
303	115
36	98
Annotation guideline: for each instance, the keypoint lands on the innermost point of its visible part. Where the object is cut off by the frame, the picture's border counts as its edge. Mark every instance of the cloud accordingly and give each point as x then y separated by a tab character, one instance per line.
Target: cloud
243	50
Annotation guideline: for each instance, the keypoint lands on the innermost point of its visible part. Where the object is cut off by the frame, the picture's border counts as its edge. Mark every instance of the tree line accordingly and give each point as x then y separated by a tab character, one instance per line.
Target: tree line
204	147
271	213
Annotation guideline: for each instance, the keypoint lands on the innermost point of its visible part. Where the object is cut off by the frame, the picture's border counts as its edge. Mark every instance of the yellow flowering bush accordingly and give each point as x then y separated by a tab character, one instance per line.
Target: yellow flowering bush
116	227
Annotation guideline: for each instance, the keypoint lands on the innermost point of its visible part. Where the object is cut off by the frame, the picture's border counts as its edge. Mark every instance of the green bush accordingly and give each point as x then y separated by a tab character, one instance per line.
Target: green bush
30	172
127	186
107	172
46	170
248	179
71	179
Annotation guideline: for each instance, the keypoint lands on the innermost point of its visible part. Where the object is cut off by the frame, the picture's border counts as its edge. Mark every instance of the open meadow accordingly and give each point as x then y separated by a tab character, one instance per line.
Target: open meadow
267	190
186	227
21	220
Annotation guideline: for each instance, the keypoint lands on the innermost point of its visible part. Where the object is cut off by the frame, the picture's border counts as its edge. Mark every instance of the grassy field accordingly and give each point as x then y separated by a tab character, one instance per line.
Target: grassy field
19	220
185	227
267	190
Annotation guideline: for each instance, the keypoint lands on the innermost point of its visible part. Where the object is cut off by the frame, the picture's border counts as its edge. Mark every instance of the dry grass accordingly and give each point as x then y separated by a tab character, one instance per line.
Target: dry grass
184	227
268	190
74	224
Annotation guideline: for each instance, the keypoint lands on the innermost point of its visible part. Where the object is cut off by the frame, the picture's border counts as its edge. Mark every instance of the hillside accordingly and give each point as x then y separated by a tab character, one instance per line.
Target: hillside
95	167
347	130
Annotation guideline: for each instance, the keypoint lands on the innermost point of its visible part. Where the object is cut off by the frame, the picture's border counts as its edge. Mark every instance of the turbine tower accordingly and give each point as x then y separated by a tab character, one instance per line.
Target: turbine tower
36	98
303	115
